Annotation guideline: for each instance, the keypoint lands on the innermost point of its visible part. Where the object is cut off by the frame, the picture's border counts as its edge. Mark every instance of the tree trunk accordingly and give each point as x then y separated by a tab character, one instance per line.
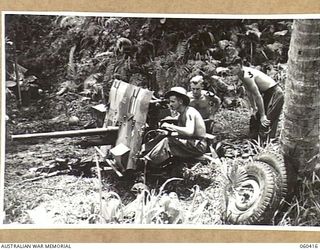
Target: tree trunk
300	134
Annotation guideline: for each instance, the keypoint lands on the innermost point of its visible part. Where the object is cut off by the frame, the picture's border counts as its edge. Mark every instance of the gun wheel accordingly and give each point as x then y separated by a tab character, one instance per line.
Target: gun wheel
252	200
276	162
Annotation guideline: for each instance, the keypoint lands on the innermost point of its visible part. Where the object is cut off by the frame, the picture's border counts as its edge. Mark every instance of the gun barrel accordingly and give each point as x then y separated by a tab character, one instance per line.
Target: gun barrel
70	133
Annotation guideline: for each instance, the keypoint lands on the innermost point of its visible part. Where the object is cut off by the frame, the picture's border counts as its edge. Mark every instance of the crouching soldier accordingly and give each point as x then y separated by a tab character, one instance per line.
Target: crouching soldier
184	140
206	102
266	99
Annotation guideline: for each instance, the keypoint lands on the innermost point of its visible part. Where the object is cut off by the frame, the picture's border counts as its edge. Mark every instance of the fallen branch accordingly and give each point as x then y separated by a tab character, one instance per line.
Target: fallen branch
62	91
41	177
59	189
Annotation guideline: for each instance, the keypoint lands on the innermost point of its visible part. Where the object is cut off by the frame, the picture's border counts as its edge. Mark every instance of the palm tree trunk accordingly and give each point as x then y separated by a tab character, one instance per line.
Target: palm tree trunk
300	134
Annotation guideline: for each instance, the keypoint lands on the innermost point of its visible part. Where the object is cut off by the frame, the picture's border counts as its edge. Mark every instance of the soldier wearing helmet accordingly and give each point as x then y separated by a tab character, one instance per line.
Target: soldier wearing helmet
187	138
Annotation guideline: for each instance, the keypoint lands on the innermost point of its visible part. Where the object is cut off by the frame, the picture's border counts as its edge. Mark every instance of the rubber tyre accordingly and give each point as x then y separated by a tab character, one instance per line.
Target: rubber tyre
276	161
260	207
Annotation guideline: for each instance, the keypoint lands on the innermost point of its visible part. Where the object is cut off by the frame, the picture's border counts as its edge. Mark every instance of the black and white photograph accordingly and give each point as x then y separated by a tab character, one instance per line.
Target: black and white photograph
164	120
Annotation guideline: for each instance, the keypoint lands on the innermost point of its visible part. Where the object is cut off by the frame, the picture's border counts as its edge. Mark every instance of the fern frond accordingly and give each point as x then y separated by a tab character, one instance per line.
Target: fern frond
181	49
210	68
237	176
198	64
112	21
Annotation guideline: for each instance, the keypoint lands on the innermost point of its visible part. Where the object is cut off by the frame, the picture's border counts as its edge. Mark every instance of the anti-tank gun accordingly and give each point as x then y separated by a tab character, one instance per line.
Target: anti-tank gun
123	126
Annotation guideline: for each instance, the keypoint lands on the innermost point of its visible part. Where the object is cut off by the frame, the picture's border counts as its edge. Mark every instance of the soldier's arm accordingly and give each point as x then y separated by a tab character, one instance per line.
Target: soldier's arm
189	129
251	100
253	90
254	94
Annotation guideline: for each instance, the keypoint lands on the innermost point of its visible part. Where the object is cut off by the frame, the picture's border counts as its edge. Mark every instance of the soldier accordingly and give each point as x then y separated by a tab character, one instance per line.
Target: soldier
266	99
206	102
185	140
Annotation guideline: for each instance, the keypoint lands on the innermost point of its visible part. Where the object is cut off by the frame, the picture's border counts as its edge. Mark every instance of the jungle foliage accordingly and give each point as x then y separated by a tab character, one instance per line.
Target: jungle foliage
153	52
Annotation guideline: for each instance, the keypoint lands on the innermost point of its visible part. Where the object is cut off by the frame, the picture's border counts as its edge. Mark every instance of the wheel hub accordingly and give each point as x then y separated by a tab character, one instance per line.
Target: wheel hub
247	194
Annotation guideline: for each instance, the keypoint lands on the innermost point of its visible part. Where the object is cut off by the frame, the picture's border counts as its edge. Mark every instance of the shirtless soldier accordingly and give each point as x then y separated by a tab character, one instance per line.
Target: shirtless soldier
206	102
187	138
266	99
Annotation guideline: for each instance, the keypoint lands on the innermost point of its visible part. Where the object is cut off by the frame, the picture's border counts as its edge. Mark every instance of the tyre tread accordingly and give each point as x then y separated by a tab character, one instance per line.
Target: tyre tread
276	161
264	206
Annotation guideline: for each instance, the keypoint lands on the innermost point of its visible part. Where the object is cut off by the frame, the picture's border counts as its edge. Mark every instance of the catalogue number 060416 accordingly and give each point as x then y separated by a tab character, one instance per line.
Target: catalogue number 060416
309	246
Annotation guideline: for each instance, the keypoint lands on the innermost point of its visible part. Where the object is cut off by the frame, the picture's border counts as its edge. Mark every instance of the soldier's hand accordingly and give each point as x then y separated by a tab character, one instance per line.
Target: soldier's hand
168	126
163	132
264	121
